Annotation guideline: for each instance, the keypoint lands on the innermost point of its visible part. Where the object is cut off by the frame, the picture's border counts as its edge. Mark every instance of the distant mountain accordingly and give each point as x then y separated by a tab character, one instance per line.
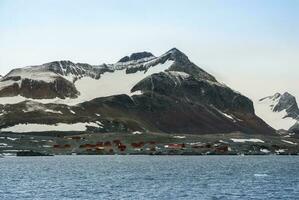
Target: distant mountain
280	111
141	92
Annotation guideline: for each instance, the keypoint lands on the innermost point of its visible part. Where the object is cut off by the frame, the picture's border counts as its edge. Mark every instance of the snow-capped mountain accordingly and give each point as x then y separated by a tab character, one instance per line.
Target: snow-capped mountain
143	92
280	110
69	83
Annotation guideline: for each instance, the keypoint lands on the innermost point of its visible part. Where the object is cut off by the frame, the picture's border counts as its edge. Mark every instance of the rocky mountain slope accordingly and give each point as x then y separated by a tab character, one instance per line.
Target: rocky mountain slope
141	92
280	111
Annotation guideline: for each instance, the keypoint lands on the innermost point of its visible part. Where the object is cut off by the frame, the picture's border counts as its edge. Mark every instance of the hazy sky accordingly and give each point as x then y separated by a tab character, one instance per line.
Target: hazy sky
252	46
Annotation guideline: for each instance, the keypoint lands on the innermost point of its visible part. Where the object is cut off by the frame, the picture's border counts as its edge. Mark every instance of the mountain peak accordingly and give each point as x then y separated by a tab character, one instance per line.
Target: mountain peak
285	101
176	54
174	50
287	95
279	110
137	56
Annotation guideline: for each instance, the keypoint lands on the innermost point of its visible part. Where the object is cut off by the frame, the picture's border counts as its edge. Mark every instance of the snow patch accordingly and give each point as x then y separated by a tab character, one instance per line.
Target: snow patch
228	116
100	123
53	111
47	146
265	151
131	63
231	117
3	145
34	73
12	139
179	137
136	133
247	140
138	92
221	141
289	142
71	111
32	106
113	83
179	74
280	150
23	128
19	98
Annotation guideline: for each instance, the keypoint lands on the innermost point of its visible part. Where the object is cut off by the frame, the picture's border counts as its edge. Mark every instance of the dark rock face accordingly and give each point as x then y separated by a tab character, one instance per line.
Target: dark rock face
287	102
157	112
136	56
193	90
60	88
148	112
295	128
10	91
13	78
192	103
28	88
183	64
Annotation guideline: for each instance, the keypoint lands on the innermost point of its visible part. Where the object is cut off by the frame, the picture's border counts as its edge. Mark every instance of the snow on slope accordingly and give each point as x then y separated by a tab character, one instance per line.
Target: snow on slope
132	63
110	83
7	83
264	109
113	83
19	98
34	73
247	140
23	128
53	111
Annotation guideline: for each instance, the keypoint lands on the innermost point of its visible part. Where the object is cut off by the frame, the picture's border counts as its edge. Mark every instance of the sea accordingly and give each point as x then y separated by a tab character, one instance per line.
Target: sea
149	177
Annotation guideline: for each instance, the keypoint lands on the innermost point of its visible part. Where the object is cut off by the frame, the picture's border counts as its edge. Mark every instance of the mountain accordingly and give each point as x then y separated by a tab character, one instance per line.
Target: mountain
140	92
280	111
295	128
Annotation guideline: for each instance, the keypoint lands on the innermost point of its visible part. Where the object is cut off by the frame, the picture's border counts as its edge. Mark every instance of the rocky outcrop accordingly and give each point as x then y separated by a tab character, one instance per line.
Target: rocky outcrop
285	107
183	64
136	56
288	103
38	89
295	128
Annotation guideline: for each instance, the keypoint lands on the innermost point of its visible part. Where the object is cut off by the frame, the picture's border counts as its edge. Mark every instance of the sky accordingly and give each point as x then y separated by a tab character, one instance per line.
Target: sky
250	45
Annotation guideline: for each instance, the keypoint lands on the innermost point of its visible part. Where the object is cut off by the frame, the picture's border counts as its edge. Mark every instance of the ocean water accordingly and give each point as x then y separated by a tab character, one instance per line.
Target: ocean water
149	177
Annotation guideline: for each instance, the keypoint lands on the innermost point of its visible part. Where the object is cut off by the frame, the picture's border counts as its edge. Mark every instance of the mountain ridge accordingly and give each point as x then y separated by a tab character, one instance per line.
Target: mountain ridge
167	94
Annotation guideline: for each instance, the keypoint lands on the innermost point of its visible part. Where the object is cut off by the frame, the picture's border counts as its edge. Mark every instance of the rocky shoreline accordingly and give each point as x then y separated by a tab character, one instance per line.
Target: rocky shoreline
139	143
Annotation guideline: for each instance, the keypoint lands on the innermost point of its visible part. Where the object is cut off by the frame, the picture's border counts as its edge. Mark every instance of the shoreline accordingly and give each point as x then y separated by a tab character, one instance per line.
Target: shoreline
148	144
